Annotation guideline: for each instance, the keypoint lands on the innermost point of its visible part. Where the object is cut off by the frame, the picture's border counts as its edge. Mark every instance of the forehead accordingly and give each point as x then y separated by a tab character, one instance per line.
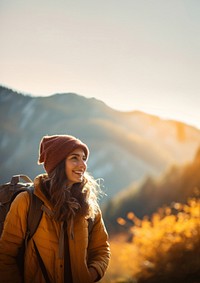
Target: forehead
78	151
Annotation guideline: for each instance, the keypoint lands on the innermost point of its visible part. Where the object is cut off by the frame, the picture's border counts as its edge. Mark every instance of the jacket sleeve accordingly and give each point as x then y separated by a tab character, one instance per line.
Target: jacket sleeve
98	246
12	238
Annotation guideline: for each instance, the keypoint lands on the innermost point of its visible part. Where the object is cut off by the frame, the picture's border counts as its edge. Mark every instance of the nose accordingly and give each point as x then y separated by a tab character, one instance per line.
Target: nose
83	164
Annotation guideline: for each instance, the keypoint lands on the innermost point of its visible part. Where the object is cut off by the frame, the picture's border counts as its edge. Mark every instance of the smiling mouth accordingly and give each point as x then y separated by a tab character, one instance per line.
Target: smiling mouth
79	173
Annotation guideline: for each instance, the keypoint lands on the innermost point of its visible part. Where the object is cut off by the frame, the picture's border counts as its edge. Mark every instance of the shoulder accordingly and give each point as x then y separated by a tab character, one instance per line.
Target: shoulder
98	218
21	202
16	219
22	197
98	212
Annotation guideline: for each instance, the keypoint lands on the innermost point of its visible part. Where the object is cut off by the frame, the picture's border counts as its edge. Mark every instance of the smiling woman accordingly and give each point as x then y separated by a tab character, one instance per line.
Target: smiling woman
69	251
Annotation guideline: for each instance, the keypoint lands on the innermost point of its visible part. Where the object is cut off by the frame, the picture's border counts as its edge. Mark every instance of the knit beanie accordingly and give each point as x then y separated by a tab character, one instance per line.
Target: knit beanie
54	149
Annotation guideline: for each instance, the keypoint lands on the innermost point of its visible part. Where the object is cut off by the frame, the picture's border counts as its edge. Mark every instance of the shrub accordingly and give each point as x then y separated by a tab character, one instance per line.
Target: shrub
168	245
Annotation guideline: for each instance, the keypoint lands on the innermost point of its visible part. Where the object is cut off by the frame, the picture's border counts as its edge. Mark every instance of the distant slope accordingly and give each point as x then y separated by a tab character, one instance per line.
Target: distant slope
124	146
176	185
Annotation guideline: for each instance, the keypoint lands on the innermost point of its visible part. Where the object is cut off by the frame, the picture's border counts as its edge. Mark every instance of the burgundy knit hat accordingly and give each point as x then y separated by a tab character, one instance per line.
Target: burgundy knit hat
54	149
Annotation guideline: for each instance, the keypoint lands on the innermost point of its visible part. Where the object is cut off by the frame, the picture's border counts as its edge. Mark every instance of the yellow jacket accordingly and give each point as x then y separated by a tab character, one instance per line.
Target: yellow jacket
49	241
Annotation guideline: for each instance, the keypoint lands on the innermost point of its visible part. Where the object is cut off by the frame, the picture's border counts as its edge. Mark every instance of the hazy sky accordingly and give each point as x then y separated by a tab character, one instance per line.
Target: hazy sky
131	54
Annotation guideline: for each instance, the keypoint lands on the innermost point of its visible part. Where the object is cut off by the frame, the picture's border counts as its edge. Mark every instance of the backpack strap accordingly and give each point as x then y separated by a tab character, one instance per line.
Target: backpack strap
41	263
33	219
34	214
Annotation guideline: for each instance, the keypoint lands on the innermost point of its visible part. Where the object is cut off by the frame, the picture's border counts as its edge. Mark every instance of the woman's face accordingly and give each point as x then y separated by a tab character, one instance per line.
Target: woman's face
75	166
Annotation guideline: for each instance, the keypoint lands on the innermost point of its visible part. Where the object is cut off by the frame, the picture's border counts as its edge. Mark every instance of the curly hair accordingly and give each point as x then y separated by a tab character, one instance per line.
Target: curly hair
69	200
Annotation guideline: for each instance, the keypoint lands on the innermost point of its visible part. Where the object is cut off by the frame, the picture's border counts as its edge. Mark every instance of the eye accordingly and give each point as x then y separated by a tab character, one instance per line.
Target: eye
74	157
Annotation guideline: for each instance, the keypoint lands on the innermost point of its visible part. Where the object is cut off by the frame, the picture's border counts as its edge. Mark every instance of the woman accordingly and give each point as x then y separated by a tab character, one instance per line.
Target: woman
68	251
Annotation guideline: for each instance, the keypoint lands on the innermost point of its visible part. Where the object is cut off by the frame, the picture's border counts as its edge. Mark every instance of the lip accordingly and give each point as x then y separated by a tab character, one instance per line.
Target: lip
78	173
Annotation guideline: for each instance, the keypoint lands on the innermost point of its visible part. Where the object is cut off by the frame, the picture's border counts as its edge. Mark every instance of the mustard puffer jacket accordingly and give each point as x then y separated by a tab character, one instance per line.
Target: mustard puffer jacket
49	241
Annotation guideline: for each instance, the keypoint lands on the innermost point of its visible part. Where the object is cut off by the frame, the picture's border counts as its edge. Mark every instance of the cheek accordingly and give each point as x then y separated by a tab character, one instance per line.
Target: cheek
67	167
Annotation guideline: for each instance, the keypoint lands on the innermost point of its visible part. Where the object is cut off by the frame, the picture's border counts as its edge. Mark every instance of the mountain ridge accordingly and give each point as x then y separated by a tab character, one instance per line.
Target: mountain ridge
124	147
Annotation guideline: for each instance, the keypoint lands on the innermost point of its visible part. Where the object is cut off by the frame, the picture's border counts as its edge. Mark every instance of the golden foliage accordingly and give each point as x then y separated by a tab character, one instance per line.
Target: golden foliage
165	248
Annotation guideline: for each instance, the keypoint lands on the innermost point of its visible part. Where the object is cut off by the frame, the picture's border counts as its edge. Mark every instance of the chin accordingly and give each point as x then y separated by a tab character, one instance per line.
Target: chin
77	181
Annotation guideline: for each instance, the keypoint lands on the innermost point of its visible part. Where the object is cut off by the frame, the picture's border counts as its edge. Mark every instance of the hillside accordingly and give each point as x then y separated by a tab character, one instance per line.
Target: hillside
124	146
176	185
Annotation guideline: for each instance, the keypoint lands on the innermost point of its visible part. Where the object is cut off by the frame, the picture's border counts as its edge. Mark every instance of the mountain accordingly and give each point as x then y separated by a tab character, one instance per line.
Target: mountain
124	146
176	185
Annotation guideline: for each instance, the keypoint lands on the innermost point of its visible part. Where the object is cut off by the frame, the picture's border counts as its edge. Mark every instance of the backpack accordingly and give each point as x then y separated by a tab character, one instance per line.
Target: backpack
8	193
